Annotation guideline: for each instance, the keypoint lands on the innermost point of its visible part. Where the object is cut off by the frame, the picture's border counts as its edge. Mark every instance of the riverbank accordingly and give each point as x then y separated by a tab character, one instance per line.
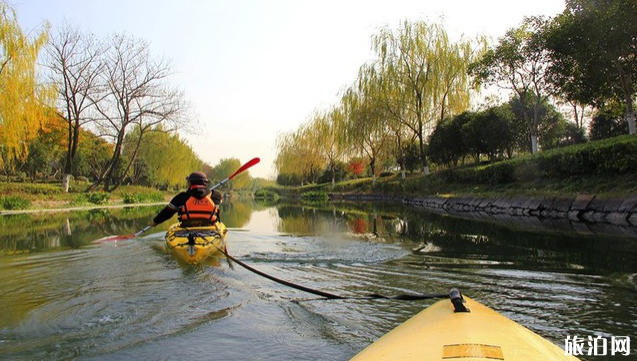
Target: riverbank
595	204
64	207
30	197
583	214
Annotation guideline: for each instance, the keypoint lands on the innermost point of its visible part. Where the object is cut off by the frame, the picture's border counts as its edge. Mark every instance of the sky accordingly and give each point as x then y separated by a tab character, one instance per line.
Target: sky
255	69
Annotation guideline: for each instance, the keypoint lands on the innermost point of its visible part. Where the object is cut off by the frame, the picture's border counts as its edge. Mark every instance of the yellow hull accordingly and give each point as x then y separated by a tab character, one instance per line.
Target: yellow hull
195	244
439	333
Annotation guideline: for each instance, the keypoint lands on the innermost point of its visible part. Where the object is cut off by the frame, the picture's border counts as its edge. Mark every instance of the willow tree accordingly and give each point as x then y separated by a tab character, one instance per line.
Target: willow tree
298	155
285	160
165	156
424	76
225	168
329	128
136	92
23	101
368	126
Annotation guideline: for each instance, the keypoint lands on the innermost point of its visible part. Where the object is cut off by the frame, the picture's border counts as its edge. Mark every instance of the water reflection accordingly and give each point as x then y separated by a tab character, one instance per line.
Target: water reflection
444	239
28	233
131	300
437	239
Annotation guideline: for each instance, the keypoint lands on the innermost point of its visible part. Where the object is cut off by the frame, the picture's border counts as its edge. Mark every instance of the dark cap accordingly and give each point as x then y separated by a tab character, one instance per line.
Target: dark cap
197	178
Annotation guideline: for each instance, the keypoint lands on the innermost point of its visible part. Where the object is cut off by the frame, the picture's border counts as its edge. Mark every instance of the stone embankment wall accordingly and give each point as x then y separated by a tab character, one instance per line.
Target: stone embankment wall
584	213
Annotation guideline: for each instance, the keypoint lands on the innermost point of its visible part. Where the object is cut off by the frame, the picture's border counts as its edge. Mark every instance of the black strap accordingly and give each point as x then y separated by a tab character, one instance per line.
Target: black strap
331	296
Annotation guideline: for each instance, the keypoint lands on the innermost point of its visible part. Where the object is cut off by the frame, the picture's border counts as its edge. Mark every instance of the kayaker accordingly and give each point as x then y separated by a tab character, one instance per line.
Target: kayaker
197	206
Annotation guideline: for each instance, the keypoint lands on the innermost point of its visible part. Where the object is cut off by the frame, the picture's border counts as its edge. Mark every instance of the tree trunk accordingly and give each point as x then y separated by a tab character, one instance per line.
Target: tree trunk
66	180
630	115
333	175
119	180
533	143
423	156
107	171
626	82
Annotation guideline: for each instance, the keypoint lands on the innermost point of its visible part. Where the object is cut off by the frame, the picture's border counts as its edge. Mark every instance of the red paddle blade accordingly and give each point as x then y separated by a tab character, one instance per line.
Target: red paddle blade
249	164
113	238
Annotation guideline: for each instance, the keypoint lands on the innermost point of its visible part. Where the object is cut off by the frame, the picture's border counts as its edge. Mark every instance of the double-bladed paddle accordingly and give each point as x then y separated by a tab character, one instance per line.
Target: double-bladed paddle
249	164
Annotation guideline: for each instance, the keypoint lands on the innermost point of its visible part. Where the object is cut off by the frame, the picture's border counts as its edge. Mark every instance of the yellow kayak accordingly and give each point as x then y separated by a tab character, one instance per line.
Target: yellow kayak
194	244
482	334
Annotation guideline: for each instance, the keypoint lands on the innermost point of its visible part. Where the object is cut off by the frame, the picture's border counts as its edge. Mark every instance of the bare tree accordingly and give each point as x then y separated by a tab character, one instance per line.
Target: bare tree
74	61
135	93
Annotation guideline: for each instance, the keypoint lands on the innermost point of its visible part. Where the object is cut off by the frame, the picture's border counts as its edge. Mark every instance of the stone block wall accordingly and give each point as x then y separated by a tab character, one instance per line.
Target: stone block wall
585	213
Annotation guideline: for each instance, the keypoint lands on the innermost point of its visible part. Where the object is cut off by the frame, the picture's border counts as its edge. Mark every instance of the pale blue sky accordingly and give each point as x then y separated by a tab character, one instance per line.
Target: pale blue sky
254	69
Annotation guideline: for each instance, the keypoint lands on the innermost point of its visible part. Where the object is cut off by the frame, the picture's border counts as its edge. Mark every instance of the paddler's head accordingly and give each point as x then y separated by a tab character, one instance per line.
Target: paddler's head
197	180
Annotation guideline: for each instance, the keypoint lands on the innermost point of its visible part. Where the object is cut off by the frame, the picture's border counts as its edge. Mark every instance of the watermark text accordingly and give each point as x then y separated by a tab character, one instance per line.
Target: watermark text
597	346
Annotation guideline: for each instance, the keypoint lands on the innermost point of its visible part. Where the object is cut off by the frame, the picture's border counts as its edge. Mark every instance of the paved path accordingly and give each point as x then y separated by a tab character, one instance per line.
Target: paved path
83	208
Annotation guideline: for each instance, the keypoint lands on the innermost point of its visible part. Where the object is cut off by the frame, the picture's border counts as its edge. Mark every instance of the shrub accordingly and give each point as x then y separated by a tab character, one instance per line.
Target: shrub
615	156
98	197
315	197
266	194
30	188
496	173
129	198
14	202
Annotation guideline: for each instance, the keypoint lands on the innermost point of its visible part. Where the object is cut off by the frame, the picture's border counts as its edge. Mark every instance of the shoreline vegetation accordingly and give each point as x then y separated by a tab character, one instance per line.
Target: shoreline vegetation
27	197
605	169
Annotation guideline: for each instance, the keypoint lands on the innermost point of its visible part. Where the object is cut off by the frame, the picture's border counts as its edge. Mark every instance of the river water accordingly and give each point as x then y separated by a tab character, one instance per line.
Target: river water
67	296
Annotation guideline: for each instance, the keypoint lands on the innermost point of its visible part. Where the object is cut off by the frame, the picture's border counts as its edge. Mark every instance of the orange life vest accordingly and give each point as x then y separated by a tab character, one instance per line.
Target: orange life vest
198	209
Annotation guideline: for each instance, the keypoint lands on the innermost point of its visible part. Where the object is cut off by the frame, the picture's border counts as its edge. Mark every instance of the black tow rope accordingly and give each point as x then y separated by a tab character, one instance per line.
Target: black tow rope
331	296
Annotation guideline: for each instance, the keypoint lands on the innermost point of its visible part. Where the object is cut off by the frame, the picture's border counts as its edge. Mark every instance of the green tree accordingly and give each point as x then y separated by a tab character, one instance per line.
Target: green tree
44	154
473	135
550	123
498	131
167	158
519	63
446	145
225	169
593	51
92	155
608	122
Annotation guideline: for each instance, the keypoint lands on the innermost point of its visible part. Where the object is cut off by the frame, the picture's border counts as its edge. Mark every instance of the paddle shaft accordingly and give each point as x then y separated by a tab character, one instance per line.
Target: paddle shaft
141	232
249	164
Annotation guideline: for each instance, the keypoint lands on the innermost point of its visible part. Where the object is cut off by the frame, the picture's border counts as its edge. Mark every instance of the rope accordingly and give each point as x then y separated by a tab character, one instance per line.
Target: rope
331	296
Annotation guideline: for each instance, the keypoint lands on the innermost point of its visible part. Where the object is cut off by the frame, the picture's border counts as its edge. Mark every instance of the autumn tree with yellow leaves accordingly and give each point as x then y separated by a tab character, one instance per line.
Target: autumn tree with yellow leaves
23	101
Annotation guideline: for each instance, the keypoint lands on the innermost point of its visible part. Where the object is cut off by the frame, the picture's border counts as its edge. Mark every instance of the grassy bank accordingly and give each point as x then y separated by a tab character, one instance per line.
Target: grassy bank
24	195
620	186
606	168
46	196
